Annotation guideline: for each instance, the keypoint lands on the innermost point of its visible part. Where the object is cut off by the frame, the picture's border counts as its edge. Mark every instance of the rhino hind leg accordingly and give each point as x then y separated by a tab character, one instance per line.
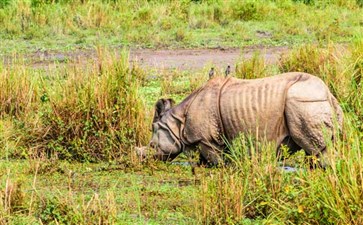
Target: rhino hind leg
310	115
310	124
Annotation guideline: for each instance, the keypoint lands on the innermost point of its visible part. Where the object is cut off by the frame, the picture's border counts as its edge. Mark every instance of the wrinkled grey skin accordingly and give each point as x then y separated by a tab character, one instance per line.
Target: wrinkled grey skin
295	109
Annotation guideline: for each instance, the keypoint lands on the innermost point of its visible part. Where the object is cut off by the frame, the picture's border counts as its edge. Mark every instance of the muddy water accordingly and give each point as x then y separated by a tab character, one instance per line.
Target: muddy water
287	169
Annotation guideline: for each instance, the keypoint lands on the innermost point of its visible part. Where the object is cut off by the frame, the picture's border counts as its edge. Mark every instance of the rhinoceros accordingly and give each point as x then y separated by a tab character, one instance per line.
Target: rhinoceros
295	109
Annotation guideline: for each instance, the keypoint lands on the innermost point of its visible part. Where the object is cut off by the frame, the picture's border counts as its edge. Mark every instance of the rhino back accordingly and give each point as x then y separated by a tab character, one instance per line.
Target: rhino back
255	107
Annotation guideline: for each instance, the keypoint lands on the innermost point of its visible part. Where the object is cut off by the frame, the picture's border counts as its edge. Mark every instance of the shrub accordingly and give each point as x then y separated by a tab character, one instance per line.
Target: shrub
250	68
77	115
254	187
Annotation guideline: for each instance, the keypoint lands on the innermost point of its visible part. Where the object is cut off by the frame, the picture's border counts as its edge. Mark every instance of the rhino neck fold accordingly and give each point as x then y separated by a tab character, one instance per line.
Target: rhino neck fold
219	107
200	114
180	113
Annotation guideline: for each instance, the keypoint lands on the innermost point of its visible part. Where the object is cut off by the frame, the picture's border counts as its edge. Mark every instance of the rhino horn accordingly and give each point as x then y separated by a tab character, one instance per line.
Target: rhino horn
161	106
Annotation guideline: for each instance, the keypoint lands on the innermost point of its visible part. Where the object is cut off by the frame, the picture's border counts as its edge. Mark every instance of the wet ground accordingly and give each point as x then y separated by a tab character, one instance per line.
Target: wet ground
182	59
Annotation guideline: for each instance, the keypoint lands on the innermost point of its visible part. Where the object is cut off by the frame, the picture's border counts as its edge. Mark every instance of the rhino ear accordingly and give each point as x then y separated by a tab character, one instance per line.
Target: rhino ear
161	106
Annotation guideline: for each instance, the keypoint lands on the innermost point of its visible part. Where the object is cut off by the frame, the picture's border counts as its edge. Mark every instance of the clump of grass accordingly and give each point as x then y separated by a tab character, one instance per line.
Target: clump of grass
10	139
181	35
216	206
18	91
308	58
325	63
84	114
57	211
357	56
196	80
44	165
254	67
355	89
99	113
249	10
253	187
227	196
341	73
102	210
67	209
178	23
173	83
11	199
166	84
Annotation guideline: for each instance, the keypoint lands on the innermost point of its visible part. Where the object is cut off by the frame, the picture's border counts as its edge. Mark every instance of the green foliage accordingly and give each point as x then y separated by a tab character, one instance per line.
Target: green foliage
97	112
52	210
342	74
308	59
321	3
4	3
246	10
251	68
253	187
307	2
76	115
28	24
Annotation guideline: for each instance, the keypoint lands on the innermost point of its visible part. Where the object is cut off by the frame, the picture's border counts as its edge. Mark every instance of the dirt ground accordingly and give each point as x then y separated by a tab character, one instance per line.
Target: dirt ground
181	59
196	59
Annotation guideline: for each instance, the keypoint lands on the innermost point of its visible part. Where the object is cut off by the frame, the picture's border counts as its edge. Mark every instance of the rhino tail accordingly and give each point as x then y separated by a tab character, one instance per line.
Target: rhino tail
337	111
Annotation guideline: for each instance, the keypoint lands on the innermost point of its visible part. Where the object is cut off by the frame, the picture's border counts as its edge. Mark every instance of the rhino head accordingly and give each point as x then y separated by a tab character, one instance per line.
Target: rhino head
166	138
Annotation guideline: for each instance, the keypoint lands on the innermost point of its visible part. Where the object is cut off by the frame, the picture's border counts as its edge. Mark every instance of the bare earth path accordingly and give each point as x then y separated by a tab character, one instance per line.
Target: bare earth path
196	59
182	59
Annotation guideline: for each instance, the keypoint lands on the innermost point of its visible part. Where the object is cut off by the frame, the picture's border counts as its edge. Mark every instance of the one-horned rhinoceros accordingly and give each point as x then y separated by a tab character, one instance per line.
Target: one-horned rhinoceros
295	109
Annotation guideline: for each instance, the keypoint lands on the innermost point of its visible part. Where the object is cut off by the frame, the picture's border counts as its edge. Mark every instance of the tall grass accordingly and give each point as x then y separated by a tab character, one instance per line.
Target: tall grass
341	72
17	90
58	208
88	193
11	200
323	62
92	113
252	68
176	83
75	114
175	23
253	188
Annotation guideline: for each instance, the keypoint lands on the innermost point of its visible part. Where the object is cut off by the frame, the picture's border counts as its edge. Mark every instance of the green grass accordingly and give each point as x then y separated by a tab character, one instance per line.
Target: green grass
40	25
97	193
41	188
67	134
85	113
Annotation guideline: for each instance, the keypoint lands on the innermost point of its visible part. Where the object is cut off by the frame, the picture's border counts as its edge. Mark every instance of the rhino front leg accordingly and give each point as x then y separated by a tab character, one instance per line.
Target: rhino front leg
210	155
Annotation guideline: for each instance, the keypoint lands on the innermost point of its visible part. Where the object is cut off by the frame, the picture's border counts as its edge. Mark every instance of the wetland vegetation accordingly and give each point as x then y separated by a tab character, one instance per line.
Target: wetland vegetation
67	132
65	25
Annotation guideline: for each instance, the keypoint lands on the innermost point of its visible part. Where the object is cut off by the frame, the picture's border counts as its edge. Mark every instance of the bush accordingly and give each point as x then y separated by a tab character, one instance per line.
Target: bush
252	10
254	67
77	115
254	187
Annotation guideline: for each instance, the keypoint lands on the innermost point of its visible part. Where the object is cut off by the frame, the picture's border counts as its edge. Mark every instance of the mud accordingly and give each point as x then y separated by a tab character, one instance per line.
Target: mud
196	59
181	59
